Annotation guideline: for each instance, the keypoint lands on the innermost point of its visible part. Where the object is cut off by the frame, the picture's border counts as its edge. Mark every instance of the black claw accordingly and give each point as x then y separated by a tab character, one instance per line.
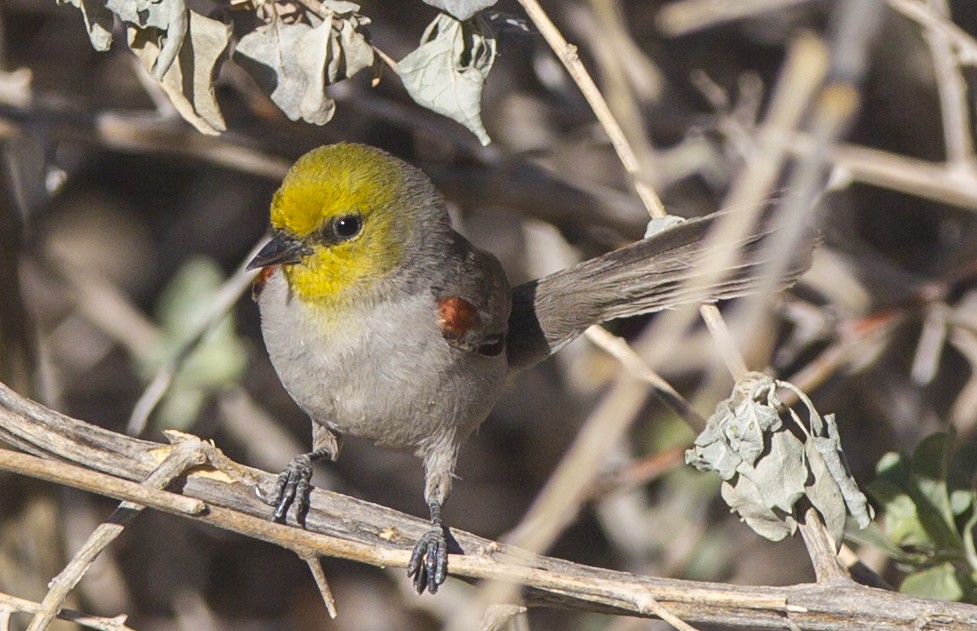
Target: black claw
429	562
292	487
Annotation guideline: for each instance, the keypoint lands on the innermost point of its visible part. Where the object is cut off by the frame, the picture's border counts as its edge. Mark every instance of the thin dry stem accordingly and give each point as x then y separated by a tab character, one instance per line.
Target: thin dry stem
688	16
347	528
821	548
178	460
315	566
952	89
10	604
95	482
619	349
578	72
964	44
499	617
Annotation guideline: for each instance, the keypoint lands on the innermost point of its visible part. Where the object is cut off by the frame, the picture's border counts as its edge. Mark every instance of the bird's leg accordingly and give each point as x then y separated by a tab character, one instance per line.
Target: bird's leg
294	483
429	561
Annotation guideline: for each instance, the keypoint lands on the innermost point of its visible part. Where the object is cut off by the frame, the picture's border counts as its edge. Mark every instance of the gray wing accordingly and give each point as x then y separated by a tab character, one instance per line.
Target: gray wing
474	301
646	276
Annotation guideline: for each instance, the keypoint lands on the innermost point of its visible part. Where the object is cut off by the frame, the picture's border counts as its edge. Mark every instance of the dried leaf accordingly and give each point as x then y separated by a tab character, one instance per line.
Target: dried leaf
461	9
829	447
767	468
146	13
170	17
745	499
825	495
189	81
295	62
781	474
734	433
98	21
710	452
447	72
661	224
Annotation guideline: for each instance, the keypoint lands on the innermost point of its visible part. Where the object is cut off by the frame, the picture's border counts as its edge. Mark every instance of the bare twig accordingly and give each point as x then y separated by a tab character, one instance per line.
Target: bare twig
10	604
183	456
95	482
636	366
821	548
921	178
950	85
571	61
724	341
315	565
498	617
688	16
964	44
347	528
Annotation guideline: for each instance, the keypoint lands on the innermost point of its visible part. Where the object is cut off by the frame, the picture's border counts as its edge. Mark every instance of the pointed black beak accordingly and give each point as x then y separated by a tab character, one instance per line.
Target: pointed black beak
281	250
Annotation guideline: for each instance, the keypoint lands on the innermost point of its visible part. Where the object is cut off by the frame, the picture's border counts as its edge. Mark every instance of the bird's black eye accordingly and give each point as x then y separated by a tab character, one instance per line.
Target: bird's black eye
347	226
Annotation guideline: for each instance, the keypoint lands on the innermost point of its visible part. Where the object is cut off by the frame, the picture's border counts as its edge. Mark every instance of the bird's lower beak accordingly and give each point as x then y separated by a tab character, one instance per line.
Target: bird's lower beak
281	250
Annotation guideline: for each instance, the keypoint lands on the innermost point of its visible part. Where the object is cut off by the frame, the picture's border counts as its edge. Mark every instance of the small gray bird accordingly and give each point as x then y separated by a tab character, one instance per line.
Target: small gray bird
384	323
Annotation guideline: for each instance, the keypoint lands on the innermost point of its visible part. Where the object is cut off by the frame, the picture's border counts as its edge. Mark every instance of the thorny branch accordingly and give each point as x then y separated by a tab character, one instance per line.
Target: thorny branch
344	527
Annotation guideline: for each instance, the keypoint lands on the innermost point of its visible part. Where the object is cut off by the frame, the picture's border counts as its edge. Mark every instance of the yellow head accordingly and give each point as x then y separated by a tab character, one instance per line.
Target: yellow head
346	216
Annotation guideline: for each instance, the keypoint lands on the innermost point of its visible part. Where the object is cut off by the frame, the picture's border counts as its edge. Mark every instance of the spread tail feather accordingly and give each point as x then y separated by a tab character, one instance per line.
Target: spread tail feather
650	275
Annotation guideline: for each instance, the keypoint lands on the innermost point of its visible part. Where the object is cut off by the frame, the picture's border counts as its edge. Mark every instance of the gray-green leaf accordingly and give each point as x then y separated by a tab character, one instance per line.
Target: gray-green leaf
189	82
768	467
461	9
98	21
218	359
447	72
295	62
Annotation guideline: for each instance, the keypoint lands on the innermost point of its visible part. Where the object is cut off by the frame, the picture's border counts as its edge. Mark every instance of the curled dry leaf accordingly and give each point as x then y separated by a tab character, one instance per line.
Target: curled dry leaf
170	17
461	9
189	81
768	465
294	63
98	21
447	72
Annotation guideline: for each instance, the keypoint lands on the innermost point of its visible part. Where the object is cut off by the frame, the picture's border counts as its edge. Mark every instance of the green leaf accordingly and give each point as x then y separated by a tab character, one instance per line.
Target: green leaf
219	358
916	498
899	517
929	468
447	72
942	581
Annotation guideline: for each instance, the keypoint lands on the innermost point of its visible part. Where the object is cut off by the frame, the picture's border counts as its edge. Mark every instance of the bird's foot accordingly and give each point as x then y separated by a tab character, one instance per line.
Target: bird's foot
292	487
429	562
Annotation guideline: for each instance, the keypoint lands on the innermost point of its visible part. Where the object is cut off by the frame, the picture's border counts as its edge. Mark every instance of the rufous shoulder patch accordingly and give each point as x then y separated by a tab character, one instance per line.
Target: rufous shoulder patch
456	317
260	280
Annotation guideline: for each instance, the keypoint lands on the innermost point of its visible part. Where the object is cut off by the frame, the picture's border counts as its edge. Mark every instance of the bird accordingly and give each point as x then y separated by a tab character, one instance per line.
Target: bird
384	323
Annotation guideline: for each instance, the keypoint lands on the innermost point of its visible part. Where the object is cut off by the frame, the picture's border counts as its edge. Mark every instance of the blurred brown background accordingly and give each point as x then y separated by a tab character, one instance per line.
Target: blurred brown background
124	221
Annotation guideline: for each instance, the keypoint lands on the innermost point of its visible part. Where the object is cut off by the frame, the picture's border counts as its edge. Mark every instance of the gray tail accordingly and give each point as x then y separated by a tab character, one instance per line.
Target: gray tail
650	275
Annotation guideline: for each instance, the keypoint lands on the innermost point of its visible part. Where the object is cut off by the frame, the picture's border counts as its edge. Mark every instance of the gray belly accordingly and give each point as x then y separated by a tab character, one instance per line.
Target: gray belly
387	375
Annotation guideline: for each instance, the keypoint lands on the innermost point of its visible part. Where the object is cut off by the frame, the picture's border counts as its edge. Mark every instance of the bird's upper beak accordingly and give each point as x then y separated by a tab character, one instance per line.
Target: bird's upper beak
282	249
